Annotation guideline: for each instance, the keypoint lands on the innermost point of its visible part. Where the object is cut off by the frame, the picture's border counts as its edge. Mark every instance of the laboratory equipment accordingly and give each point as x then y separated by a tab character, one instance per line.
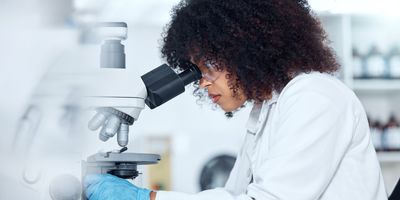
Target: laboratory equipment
216	172
120	102
119	96
117	163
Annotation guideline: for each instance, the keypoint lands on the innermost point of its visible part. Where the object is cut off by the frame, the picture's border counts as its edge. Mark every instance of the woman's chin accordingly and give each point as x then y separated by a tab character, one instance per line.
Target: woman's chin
228	108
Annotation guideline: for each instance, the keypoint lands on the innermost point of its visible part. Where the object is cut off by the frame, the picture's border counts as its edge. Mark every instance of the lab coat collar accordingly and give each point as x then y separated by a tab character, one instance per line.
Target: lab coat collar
258	114
274	98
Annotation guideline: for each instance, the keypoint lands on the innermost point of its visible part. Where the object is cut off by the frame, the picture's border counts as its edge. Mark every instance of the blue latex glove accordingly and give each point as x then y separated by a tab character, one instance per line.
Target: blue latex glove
109	187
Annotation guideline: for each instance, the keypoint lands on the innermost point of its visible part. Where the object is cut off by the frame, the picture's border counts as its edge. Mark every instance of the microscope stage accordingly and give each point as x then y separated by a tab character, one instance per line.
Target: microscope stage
134	158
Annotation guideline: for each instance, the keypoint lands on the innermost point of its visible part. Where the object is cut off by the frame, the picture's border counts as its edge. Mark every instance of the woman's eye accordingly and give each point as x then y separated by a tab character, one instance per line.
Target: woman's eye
212	72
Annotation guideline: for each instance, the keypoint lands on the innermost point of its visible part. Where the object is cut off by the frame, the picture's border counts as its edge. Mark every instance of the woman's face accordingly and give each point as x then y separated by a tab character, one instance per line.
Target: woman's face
216	83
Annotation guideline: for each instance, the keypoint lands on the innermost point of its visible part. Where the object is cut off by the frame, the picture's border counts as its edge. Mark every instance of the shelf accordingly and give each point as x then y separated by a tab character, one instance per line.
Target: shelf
378	85
387	157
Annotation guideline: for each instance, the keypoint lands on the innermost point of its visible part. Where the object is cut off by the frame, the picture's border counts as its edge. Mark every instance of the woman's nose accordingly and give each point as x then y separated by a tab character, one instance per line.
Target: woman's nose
204	83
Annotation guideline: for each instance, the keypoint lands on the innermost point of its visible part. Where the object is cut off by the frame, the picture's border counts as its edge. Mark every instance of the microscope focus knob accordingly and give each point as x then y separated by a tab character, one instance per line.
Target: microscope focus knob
127	119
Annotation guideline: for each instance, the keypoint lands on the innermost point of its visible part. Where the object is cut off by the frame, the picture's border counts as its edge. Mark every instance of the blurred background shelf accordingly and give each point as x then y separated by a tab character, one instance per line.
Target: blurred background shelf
376	85
389	157
367	44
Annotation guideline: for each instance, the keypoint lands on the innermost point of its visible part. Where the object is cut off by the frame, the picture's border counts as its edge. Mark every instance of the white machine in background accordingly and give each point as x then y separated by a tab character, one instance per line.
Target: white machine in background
117	94
208	162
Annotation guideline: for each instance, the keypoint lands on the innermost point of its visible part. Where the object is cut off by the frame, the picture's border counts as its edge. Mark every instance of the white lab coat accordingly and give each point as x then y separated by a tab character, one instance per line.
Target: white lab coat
310	142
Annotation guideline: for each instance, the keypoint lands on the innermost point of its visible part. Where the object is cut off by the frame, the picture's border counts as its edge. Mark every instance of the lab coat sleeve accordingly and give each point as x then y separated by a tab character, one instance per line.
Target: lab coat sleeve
309	139
226	193
213	194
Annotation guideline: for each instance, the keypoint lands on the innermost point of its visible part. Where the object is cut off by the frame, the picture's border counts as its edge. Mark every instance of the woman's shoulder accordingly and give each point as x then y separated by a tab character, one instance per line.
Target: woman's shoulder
322	84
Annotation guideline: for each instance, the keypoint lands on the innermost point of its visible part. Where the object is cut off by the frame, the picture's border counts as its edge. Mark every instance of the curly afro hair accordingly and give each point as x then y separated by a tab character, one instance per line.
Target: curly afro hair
262	44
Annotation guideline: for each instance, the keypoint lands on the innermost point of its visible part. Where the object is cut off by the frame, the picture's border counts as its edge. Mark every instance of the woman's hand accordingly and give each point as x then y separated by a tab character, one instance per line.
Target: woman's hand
109	187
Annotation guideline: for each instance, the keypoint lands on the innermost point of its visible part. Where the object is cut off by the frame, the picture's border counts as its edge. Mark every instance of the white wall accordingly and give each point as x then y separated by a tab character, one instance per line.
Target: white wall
26	50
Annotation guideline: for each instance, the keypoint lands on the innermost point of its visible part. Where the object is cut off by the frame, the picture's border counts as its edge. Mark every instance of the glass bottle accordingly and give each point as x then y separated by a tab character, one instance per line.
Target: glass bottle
376	133
394	62
375	63
392	134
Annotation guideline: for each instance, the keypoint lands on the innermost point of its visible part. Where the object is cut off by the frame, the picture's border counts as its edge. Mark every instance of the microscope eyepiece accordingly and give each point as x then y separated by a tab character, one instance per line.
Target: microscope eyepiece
163	83
190	75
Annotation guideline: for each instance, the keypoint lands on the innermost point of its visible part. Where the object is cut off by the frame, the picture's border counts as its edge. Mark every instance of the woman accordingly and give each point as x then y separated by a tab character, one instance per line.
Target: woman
307	134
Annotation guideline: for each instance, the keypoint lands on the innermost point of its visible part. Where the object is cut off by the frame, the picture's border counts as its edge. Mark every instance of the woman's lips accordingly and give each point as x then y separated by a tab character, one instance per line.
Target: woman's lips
215	98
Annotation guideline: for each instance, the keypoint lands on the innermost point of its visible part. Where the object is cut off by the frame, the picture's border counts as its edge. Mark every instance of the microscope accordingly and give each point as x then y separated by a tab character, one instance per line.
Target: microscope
119	96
